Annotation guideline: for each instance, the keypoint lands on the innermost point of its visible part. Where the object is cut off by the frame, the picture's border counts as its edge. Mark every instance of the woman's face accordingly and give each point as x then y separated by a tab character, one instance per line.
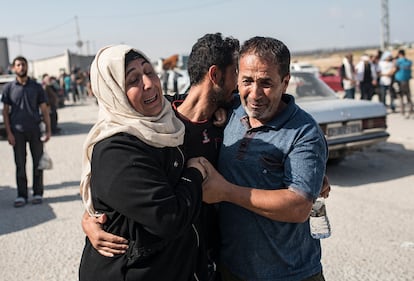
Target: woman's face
143	87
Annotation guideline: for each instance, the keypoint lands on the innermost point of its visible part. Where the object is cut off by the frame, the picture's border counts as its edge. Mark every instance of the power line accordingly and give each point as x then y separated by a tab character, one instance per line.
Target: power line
165	11
48	29
18	40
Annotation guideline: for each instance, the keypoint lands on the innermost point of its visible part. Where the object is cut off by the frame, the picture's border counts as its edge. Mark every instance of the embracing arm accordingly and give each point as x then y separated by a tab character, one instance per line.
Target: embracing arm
282	204
105	243
288	204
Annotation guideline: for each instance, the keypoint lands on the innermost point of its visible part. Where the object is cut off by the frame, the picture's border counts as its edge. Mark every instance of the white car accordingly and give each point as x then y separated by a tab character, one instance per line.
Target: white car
348	124
305	66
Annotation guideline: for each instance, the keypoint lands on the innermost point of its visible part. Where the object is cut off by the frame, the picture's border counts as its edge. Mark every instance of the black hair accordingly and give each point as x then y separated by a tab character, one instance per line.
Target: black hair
211	49
133	55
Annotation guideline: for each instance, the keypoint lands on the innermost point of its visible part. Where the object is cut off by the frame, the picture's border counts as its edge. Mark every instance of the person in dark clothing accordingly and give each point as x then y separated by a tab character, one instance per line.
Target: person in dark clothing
23	99
366	76
53	102
134	171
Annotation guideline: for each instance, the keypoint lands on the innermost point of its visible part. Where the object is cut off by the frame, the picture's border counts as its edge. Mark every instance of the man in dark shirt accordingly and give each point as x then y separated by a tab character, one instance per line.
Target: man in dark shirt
22	100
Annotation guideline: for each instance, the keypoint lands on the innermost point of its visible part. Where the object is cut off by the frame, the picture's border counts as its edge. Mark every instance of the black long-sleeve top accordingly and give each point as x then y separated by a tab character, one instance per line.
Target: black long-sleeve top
152	200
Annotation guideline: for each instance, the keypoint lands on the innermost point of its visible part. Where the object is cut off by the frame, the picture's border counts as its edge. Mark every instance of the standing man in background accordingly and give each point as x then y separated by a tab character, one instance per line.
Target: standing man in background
348	76
366	76
403	76
22	100
52	98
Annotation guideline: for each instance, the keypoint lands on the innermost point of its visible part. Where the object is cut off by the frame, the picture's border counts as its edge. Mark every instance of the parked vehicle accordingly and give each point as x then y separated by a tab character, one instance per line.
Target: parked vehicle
304	66
332	77
349	125
3	80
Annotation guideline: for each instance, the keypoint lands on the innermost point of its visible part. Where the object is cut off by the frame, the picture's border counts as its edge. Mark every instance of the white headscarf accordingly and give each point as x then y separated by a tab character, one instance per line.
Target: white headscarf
117	115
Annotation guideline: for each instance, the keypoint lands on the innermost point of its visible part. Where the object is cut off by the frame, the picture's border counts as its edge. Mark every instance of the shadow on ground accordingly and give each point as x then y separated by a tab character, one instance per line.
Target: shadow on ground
73	128
383	162
17	219
67	128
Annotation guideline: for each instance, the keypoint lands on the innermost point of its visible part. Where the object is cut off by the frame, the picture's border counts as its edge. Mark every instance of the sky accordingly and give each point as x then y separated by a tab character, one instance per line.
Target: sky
42	29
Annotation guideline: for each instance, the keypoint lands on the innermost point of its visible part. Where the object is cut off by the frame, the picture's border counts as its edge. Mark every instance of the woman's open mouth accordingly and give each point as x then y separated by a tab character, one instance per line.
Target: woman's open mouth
151	100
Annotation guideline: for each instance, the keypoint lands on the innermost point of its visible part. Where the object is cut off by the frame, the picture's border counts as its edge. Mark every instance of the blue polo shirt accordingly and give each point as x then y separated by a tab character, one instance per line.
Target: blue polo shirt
289	151
403	73
24	101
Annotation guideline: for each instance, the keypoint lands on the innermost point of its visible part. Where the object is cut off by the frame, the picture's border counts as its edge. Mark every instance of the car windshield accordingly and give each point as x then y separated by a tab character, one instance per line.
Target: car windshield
304	85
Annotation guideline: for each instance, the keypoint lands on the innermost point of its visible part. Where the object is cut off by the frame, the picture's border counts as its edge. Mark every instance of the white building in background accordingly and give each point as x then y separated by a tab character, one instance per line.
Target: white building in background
4	55
58	64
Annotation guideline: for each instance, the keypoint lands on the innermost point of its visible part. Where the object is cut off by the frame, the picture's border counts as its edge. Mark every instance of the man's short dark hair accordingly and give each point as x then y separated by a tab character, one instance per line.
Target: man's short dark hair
211	49
19	58
401	52
271	50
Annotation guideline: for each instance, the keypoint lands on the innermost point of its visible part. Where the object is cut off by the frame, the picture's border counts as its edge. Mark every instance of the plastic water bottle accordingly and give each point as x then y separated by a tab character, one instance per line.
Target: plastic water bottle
318	220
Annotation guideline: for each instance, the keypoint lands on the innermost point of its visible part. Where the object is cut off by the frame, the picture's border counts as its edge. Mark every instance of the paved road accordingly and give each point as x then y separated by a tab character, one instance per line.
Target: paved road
371	209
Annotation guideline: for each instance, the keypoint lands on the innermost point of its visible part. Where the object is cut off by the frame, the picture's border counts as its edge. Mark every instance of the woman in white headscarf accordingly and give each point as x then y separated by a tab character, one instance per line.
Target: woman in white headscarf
134	171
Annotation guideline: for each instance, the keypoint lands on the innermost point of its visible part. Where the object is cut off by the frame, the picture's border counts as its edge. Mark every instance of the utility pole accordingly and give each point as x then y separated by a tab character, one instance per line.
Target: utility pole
79	43
87	48
19	42
385	25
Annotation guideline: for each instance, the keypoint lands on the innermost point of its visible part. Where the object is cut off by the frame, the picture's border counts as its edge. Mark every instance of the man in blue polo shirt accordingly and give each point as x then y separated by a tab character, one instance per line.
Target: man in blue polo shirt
273	161
403	76
22	100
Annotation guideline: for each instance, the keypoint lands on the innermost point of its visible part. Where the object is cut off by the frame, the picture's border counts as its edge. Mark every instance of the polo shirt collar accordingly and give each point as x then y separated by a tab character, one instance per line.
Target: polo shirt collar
277	122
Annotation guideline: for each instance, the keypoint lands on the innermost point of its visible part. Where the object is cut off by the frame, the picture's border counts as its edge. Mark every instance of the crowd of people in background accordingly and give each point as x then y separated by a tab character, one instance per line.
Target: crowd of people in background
67	88
381	74
75	86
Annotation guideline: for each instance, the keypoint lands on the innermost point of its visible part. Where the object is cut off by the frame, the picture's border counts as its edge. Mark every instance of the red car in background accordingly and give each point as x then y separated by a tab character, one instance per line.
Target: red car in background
332	77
